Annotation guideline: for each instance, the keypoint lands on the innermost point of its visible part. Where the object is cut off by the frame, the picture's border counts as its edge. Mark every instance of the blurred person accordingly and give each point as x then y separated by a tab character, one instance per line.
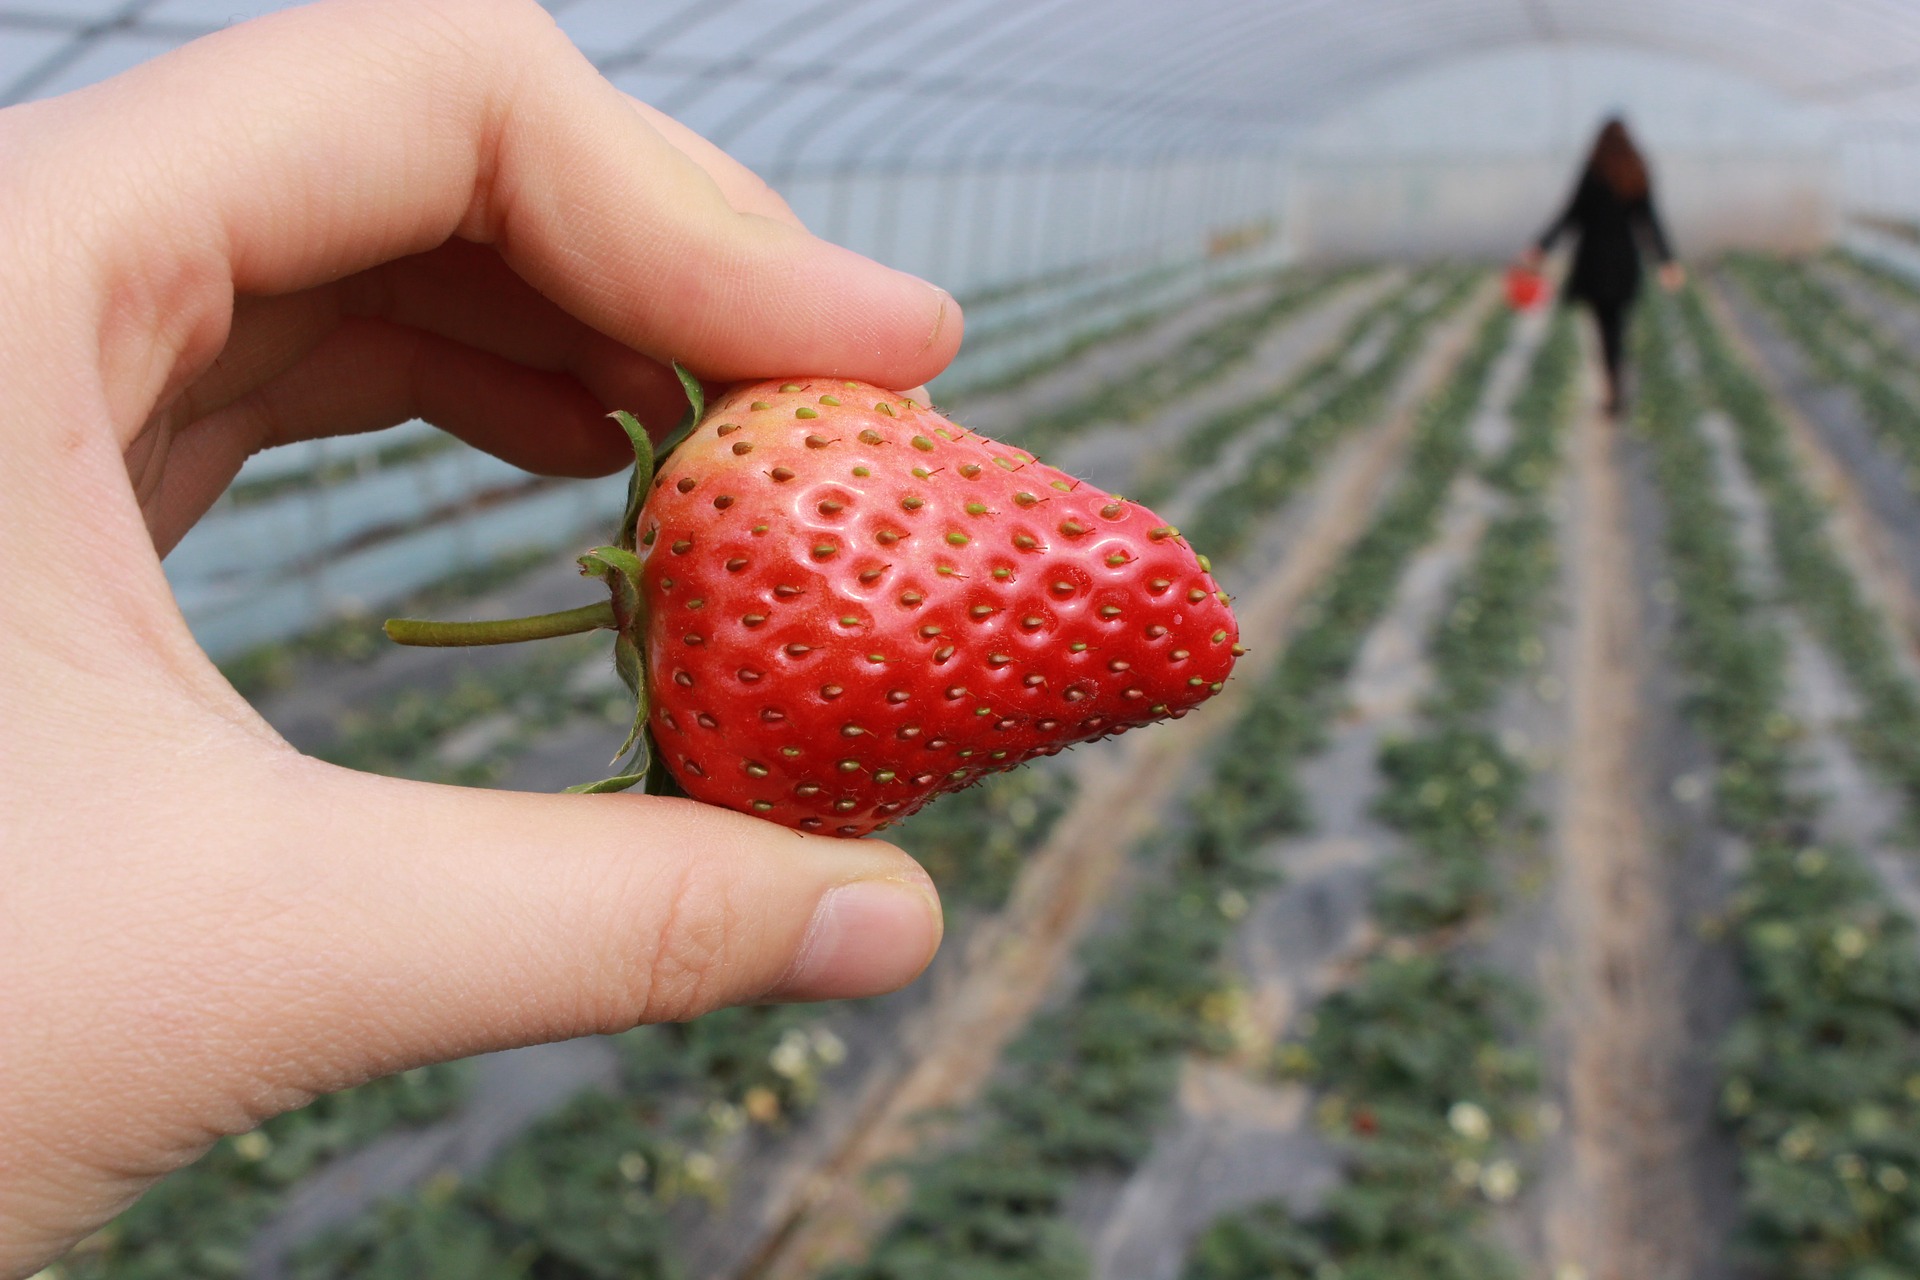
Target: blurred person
1612	216
331	220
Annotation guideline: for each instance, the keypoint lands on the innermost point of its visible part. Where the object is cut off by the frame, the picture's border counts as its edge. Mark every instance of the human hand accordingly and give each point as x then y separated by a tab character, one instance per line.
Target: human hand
332	220
1673	276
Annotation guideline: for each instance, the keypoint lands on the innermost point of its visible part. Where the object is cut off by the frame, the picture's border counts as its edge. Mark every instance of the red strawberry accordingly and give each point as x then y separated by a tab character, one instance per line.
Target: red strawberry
854	605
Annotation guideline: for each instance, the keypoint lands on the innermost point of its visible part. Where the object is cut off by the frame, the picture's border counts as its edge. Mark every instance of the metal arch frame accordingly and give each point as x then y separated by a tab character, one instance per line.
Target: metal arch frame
976	91
1171	145
640	50
1135	107
723	133
1311	103
1710	46
1277	114
797	23
1341	45
1130	107
84	37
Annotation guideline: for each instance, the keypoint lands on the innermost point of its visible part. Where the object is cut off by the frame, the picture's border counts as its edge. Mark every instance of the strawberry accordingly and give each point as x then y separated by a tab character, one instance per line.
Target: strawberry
834	605
855	605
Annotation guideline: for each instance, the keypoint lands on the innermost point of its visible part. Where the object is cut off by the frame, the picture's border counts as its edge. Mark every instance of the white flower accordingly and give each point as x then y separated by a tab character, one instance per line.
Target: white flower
701	1167
1500	1181
1850	941
1796	1144
633	1166
789	1057
726	1118
254	1146
1891	1180
1232	903
828	1047
1470	1121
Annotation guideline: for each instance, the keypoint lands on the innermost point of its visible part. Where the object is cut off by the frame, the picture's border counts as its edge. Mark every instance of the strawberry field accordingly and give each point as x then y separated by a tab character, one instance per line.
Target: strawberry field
1537	899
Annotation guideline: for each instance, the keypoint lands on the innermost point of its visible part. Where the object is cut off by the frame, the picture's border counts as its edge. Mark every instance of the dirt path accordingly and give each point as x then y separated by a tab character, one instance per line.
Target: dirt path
1627	1209
1643	1183
829	1212
1236	1135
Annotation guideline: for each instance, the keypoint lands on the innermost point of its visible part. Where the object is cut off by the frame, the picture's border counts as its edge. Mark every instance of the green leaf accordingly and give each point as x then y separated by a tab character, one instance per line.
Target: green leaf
620	569
619	782
696	410
632	668
659	781
643	459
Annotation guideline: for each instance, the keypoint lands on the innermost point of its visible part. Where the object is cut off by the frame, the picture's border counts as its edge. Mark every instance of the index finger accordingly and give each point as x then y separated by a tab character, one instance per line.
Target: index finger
317	142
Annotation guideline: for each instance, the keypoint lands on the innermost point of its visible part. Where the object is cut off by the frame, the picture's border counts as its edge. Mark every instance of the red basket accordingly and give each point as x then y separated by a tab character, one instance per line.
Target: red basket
1526	288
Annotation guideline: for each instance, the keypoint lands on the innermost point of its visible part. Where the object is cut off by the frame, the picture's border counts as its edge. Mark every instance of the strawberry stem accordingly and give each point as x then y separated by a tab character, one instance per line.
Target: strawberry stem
544	626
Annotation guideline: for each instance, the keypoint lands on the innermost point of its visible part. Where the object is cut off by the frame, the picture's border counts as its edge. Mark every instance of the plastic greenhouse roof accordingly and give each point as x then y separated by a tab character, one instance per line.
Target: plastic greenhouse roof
823	86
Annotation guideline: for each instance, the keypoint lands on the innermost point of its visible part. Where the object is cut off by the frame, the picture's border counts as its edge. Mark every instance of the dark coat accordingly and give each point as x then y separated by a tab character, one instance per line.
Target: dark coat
1606	265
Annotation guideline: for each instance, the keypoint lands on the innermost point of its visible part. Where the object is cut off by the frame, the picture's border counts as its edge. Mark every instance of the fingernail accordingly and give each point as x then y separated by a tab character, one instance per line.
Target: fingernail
866	938
939	317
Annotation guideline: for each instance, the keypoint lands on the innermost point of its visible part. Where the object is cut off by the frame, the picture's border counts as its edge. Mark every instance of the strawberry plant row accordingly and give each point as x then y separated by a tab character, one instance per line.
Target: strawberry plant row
1131	321
1280	468
1822	1073
1137	312
1196	362
1058	313
1891	282
198	1223
1816	579
1425	1085
601	1188
1401	318
1845	348
1087	1083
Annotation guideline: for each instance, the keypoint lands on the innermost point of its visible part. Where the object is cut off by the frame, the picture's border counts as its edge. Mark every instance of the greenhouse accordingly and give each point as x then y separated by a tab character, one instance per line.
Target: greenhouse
1538	898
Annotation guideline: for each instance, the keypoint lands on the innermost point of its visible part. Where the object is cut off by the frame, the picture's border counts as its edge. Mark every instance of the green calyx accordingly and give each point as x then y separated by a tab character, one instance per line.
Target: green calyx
623	612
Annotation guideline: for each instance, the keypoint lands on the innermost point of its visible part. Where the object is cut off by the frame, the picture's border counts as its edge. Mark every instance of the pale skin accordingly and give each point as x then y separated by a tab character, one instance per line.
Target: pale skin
328	221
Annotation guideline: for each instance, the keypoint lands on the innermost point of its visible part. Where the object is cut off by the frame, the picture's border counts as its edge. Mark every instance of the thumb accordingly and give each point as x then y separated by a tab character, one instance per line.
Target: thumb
435	922
241	928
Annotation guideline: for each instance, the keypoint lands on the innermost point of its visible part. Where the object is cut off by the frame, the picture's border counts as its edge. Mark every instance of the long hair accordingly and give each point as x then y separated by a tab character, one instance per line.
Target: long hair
1616	162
